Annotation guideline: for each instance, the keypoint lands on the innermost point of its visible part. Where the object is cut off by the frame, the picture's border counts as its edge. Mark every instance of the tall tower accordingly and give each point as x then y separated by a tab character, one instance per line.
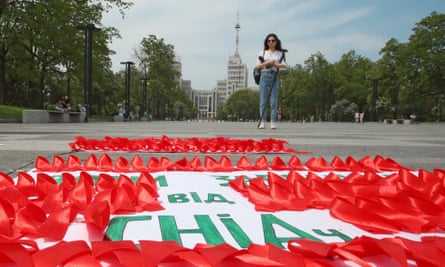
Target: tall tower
236	72
237	28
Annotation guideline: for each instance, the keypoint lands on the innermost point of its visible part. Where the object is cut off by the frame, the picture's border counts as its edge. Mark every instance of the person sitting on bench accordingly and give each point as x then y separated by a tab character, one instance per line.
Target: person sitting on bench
64	104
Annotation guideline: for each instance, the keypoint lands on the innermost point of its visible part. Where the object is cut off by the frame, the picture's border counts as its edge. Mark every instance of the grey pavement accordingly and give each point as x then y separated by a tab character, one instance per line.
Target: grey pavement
419	146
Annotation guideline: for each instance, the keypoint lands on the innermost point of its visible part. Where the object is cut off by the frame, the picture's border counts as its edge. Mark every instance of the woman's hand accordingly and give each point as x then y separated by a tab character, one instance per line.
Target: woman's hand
270	63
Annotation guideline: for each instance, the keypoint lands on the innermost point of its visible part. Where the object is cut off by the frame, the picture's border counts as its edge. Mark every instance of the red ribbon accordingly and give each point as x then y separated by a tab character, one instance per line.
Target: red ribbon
182	145
46	209
400	202
136	164
362	251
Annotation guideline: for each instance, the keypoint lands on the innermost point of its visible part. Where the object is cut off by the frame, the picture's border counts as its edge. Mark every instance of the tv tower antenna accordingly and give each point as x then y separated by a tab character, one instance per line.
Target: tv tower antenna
237	28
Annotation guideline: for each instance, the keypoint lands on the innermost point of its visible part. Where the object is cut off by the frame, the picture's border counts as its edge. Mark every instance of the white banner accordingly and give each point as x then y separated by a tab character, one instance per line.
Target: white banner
200	207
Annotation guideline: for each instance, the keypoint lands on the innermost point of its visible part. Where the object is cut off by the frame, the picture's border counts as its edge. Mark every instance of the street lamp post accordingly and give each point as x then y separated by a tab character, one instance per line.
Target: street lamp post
127	87
144	98
88	74
374	100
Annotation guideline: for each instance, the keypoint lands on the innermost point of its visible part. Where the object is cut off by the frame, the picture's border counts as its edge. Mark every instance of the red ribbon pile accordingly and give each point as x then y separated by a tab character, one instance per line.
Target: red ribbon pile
362	251
182	145
43	208
399	202
26	204
136	164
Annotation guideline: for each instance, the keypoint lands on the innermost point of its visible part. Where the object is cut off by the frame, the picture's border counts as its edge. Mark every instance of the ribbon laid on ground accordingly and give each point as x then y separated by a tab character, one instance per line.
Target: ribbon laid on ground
182	145
137	164
388	252
401	200
44	208
383	205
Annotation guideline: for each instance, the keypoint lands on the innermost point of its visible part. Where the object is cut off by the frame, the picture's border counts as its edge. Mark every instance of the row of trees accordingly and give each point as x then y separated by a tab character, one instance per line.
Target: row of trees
164	97
42	50
409	78
43	55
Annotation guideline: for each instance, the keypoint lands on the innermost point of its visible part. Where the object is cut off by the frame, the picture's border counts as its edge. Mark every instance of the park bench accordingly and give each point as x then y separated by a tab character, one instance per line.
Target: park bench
50	116
397	121
118	118
75	116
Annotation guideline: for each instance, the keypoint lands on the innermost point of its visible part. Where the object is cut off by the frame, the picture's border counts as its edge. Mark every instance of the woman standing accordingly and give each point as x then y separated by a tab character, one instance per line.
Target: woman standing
270	60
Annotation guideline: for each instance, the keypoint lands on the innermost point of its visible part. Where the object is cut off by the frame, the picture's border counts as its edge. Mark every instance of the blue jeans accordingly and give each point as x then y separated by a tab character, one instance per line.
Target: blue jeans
267	83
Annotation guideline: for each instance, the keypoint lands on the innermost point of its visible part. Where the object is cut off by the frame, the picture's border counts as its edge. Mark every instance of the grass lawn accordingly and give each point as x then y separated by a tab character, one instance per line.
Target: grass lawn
15	113
10	112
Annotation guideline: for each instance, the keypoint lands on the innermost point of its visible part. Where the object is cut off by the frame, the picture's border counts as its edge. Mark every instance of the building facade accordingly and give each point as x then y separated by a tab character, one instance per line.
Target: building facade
209	101
205	102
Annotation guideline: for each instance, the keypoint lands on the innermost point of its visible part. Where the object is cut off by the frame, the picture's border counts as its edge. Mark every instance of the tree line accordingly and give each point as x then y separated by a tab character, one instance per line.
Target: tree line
408	81
42	56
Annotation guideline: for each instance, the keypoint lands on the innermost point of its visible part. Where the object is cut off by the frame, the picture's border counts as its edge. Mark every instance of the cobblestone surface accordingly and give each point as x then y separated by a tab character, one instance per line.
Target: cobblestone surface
419	146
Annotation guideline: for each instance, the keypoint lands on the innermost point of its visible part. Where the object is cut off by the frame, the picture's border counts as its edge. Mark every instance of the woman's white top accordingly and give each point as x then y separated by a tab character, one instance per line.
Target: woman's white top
267	55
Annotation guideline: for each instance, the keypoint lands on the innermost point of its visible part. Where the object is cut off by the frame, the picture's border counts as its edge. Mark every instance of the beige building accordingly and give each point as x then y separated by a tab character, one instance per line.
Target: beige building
209	101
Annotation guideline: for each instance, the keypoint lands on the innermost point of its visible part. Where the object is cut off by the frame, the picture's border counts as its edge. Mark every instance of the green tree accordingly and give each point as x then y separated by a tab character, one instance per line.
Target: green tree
241	105
320	86
425	91
354	74
411	74
389	79
343	110
294	93
183	106
157	59
41	48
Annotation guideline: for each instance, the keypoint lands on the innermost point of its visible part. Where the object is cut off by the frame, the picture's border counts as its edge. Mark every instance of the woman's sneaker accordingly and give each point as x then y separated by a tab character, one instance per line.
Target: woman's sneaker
261	125
272	125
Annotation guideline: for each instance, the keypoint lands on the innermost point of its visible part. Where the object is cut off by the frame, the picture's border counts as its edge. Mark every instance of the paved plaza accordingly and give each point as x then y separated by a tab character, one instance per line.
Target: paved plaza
419	146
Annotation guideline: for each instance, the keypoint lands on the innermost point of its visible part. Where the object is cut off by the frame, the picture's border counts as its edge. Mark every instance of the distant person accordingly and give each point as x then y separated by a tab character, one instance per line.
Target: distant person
64	104
362	117
270	60
279	114
121	111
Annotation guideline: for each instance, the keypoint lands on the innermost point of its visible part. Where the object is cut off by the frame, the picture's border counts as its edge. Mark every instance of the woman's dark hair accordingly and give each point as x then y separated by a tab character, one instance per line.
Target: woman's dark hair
278	46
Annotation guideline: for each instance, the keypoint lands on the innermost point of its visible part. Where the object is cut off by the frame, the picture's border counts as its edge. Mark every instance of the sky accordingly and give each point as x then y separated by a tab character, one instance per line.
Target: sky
203	31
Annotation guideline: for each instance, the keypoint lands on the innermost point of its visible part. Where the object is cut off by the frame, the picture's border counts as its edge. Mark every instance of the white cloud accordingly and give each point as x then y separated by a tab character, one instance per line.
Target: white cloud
203	34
